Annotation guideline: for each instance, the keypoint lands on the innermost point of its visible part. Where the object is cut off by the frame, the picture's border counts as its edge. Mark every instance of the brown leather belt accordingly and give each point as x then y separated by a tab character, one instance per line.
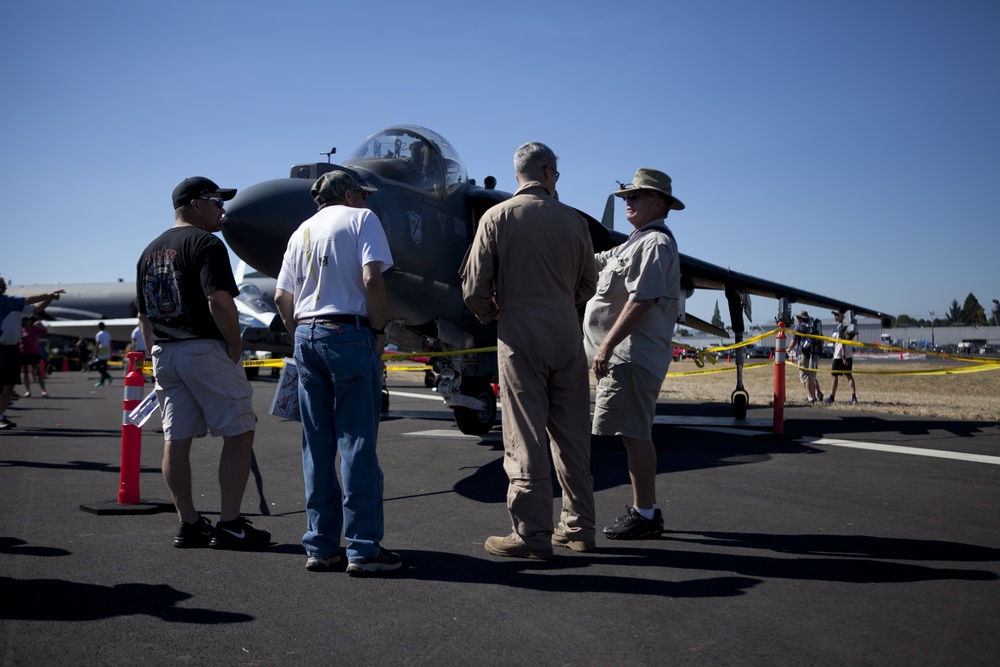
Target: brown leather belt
339	319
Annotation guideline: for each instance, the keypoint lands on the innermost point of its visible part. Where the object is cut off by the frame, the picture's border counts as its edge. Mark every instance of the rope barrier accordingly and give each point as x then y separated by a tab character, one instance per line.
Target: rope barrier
702	355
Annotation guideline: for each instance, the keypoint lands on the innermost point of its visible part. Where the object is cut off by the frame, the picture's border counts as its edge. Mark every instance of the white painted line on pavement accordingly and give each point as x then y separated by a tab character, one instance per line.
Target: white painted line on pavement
457	435
898	449
871	446
405	394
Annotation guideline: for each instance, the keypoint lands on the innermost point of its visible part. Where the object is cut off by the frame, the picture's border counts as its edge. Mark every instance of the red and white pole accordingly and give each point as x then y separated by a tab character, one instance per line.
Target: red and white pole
128	490
778	423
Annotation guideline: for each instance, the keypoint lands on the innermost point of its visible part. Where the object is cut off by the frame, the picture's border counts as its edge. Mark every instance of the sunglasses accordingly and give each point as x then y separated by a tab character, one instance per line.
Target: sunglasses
217	200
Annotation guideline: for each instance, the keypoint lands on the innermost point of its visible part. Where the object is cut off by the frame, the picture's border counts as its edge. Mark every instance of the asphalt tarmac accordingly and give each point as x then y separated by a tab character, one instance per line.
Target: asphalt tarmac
859	539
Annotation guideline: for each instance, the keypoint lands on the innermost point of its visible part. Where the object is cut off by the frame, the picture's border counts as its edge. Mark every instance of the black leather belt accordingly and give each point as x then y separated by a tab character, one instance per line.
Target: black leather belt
339	319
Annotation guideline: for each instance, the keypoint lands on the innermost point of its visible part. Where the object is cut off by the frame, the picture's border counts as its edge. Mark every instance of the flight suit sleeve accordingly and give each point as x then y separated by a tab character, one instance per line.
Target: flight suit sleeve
587	285
478	274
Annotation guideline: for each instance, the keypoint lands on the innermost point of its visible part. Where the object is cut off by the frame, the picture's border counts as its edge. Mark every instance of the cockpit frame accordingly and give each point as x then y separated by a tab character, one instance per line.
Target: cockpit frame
414	157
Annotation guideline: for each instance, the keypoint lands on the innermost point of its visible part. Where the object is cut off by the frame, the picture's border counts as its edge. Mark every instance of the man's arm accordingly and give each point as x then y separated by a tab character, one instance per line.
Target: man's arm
587	286
146	330
285	303
223	308
478	287
43	300
375	297
627	321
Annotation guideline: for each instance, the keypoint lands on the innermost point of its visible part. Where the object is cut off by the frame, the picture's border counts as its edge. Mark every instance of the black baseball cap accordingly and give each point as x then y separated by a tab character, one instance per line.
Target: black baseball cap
196	186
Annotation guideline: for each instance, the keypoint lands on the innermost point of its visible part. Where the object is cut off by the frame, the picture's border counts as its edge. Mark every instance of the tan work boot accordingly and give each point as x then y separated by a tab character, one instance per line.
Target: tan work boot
560	540
514	547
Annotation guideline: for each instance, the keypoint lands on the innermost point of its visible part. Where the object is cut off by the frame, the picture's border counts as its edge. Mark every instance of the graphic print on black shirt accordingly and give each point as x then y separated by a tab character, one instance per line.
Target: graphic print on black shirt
163	292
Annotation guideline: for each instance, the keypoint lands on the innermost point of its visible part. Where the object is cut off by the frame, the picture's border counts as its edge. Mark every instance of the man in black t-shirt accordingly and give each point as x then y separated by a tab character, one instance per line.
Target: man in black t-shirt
185	292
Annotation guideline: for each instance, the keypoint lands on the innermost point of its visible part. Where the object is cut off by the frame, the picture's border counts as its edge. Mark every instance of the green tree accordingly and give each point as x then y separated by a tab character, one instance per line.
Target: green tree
717	317
954	315
972	312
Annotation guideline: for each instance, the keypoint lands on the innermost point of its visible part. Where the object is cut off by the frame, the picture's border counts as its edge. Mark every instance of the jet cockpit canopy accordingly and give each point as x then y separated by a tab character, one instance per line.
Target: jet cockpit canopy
414	156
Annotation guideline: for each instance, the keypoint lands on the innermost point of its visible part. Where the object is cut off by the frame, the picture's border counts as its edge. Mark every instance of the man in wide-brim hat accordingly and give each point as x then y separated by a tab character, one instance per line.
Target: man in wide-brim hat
628	331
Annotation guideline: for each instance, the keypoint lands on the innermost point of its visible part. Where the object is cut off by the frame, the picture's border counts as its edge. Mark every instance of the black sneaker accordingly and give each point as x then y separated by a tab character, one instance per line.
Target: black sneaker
6	424
385	561
192	535
634	526
239	534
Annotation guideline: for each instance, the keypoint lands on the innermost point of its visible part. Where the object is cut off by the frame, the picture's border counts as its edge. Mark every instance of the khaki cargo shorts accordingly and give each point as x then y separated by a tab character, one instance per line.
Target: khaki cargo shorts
626	402
201	390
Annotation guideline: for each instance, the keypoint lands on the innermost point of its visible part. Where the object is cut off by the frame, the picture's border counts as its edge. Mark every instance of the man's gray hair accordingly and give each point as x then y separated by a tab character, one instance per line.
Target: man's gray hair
530	158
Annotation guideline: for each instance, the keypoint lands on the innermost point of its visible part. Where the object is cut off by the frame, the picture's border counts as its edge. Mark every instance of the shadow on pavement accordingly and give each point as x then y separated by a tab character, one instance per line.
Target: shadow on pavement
59	600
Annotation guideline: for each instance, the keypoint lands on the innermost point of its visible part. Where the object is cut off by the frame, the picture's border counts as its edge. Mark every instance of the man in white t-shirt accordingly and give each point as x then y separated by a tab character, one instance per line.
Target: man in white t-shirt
102	350
843	360
331	297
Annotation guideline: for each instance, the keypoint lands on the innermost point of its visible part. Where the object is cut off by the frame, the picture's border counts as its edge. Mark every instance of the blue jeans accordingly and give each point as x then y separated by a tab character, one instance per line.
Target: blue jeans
340	385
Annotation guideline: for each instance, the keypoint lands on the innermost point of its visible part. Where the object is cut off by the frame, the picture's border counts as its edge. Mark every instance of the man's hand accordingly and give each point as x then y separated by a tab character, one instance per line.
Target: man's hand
601	362
235	352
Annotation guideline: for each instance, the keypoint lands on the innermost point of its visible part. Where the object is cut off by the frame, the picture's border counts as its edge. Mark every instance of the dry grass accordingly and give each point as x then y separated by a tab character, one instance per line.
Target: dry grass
967	396
881	389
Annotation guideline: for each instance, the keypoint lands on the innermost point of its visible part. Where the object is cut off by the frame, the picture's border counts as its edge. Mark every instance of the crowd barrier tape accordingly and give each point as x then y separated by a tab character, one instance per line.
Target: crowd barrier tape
724	369
978	364
702	355
707	354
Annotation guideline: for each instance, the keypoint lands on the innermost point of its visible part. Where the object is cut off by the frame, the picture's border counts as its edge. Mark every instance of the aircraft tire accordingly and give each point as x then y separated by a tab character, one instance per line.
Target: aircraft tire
477	422
252	372
740	405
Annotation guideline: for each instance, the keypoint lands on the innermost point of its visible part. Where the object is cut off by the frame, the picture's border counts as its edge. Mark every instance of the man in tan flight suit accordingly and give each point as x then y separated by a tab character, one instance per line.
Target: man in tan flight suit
530	266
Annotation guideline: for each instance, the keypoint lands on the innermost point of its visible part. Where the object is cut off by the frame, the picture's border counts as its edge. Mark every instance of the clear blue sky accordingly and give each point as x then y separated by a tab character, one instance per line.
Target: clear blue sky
850	148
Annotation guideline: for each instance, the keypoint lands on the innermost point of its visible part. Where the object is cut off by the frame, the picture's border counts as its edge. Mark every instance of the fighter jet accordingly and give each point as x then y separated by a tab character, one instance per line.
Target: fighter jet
430	208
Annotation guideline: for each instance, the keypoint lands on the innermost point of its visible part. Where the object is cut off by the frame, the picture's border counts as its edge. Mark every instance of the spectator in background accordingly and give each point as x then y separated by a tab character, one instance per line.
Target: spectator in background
11	309
31	355
843	359
808	351
82	350
102	351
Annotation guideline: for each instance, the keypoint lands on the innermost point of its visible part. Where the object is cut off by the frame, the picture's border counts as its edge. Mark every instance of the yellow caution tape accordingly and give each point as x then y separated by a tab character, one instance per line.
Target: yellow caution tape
701	356
724	369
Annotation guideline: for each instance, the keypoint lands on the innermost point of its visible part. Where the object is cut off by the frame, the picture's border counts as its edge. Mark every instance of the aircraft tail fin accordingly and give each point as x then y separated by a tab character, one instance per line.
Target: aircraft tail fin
608	219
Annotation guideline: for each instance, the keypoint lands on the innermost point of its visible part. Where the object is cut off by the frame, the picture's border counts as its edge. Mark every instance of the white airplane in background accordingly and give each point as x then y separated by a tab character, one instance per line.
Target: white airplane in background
83	306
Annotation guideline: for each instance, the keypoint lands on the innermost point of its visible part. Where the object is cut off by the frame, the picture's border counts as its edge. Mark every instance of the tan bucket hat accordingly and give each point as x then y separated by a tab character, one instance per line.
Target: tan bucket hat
651	179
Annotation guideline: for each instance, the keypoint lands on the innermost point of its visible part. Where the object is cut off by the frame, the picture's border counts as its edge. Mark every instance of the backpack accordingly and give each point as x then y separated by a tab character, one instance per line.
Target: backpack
811	345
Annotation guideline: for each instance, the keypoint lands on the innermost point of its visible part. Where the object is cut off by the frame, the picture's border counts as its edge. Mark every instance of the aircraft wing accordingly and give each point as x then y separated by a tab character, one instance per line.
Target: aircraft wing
699	274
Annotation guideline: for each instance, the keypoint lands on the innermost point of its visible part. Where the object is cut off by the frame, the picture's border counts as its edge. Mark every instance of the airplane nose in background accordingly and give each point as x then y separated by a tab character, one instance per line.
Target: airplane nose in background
261	217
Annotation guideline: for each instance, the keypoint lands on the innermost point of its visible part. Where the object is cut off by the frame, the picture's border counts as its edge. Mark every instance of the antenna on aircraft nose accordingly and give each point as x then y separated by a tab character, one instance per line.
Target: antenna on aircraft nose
332	151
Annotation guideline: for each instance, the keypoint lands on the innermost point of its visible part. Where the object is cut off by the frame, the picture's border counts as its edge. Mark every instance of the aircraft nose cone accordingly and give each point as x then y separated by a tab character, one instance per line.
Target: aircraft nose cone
260	219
